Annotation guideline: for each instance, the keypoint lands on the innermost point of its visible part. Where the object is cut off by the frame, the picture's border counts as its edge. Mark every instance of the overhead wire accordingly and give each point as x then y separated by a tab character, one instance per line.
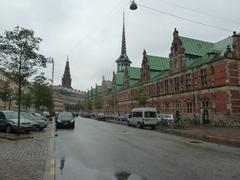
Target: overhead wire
184	18
200	12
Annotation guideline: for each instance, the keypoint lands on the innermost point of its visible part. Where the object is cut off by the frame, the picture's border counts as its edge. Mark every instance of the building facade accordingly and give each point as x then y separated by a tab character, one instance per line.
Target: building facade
65	95
200	81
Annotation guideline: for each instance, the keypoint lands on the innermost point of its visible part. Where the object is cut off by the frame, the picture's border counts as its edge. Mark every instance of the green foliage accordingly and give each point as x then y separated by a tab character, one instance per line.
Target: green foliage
140	97
18	52
183	123
27	100
98	101
113	101
18	49
42	93
6	92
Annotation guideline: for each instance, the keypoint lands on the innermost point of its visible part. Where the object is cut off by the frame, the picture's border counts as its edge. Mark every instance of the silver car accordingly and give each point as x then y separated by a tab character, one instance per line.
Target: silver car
9	122
38	124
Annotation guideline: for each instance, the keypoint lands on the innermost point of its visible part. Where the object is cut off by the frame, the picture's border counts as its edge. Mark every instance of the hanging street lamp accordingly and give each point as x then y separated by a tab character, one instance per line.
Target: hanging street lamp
133	5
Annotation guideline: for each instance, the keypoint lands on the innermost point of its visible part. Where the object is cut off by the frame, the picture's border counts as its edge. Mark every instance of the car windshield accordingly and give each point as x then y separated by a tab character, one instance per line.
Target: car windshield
36	115
64	115
150	114
12	115
26	115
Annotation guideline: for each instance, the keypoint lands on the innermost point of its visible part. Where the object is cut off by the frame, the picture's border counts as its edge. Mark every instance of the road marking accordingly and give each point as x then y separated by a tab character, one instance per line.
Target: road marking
53	167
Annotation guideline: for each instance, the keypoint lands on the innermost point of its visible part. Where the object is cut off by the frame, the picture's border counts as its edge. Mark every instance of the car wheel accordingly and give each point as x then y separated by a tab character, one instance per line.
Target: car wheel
139	125
8	129
153	127
73	126
128	123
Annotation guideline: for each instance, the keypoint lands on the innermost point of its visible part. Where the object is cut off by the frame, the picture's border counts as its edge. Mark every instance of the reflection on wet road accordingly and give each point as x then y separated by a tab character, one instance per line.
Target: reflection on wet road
97	150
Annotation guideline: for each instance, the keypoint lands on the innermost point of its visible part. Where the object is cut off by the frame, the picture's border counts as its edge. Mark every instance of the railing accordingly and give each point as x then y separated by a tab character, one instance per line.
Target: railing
222	123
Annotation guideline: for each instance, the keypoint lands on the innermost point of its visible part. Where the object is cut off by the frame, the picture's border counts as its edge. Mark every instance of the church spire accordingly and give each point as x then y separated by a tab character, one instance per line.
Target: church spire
66	80
123	61
124	48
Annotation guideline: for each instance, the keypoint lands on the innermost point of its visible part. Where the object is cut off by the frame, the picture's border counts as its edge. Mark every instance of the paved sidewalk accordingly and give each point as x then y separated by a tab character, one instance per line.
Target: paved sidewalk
24	159
227	136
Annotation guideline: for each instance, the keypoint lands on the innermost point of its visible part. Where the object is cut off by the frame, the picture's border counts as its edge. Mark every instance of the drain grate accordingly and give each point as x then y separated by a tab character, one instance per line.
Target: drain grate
196	142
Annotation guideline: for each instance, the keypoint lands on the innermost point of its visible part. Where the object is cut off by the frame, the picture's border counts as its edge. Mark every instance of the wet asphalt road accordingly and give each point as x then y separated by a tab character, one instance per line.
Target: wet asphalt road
97	150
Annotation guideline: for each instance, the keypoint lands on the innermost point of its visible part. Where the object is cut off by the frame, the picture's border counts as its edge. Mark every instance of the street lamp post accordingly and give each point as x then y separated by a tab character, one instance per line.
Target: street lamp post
52	61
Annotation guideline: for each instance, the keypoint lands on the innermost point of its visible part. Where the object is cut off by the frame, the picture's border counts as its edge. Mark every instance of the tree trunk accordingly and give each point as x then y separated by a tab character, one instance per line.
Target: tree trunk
19	93
9	104
5	105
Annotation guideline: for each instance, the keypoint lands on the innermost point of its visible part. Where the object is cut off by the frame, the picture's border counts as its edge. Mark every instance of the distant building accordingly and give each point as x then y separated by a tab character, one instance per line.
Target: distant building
65	95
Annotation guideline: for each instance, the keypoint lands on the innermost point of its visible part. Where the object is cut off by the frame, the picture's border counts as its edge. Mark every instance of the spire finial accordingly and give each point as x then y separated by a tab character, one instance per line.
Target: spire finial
124	50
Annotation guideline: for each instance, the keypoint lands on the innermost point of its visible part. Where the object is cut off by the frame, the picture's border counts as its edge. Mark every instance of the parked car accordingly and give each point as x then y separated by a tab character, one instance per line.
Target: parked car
100	116
46	114
93	115
143	117
38	116
38	124
85	114
9	122
111	116
65	119
123	118
166	119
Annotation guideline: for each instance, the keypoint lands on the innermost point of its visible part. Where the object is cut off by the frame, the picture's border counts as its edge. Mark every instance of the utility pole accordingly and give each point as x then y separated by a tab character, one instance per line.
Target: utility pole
52	80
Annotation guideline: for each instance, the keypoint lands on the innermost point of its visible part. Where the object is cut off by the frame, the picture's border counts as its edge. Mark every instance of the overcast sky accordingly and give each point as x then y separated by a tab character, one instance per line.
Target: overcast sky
90	31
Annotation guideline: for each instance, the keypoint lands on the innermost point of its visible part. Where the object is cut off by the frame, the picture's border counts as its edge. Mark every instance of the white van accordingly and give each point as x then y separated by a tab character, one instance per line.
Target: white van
141	117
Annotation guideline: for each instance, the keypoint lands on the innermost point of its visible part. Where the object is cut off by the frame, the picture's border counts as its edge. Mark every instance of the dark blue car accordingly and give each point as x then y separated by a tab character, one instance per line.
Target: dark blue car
123	118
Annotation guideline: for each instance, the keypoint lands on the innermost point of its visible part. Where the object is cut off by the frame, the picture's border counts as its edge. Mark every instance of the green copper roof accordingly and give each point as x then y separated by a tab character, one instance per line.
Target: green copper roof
221	45
194	46
133	83
215	48
161	75
154	74
158	63
119	78
119	87
134	72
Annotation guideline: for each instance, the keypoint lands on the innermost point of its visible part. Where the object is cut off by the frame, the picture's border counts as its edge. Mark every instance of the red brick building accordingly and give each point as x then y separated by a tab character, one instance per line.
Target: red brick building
199	79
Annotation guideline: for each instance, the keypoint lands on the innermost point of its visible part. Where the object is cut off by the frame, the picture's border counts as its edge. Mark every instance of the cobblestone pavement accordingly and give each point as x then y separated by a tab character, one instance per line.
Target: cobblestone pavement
24	159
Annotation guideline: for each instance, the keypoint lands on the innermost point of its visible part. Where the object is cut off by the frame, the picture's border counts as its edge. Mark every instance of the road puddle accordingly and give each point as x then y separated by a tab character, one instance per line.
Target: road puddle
126	176
74	170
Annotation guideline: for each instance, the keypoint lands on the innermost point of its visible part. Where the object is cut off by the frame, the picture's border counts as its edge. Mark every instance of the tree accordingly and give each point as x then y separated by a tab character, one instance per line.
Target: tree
6	93
98	101
27	100
19	55
42	93
113	101
141	97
